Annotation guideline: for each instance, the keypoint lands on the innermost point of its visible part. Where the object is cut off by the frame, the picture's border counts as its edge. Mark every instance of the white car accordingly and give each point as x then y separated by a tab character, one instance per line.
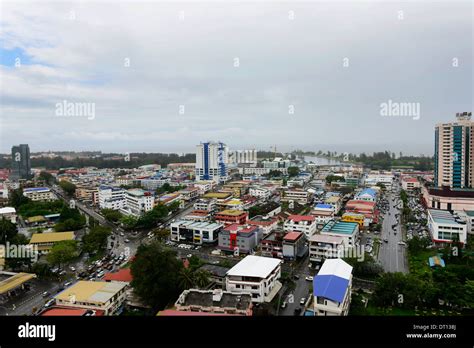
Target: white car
303	301
309	278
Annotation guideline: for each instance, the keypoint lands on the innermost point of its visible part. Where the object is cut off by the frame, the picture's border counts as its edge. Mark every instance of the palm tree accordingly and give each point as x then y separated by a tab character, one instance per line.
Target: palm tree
201	278
186	278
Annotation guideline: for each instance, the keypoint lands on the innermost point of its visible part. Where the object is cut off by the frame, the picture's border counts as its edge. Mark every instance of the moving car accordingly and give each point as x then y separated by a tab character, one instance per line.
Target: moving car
303	301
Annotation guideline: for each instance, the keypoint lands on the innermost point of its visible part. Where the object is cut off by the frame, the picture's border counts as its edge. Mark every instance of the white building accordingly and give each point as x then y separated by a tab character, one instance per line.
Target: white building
372	179
322	247
39	194
444	228
323	213
349	231
243	156
9	213
332	288
204	186
206	204
257	276
260	192
298	195
111	197
211	161
196	232
301	223
138	202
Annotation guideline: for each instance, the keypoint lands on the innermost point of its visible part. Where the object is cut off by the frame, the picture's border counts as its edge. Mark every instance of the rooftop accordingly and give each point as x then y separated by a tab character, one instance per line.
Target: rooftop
14	281
197	224
218	195
298	218
332	280
208	299
292	236
340	227
322	238
231	212
91	291
254	266
442	217
35	189
51	237
123	275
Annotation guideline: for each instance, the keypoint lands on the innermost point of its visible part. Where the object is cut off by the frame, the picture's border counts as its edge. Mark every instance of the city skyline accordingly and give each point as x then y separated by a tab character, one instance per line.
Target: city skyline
244	74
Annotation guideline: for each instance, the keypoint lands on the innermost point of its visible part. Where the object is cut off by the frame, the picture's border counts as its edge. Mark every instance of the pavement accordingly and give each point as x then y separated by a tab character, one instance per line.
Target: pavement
393	256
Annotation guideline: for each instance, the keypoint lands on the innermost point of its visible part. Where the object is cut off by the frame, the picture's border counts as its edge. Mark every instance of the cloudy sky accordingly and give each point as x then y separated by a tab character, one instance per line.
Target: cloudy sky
163	76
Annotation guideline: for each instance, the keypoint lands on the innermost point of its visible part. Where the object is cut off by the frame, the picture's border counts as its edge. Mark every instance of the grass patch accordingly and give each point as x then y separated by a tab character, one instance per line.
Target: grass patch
418	263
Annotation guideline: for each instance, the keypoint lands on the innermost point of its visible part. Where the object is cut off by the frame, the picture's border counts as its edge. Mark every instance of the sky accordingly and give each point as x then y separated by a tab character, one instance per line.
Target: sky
159	76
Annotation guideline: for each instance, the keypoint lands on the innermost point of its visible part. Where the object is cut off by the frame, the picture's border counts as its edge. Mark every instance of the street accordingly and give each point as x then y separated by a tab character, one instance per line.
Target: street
392	255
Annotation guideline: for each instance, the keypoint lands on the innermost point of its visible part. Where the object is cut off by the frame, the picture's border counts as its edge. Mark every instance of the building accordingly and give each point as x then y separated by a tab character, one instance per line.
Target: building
272	244
21	163
323	213
209	205
368	195
409	184
454	153
260	192
9	213
138	202
189	193
298	195
230	216
108	297
243	156
39	194
301	223
322	247
365	208
381	178
446	198
257	276
267	224
445	228
294	245
349	231
12	283
214	301
45	241
335	202
354	217
111	197
240	238
195	231
216	274
332	288
211	161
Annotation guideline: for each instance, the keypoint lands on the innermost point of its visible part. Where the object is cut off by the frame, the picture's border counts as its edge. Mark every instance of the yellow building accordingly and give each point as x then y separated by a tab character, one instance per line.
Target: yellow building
353	217
45	241
14	281
103	296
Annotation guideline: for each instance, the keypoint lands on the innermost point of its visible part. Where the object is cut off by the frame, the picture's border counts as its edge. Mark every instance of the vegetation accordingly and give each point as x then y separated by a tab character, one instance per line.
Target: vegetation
111	215
70	220
7	230
34	208
68	187
63	252
96	240
293	171
167	188
17	199
334	178
47	178
368	268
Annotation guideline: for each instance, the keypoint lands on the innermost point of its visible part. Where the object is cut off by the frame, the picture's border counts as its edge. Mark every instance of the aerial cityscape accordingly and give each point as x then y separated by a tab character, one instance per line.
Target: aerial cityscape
241	159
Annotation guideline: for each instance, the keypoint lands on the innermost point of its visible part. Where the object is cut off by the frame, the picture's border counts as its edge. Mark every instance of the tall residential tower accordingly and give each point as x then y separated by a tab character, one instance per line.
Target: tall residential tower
454	153
211	161
21	164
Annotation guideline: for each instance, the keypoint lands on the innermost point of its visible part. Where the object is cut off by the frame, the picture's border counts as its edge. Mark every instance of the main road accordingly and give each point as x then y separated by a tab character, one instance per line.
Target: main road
392	254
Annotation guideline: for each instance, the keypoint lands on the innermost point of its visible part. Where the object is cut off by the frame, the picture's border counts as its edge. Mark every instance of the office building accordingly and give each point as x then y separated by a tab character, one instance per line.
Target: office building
240	238
454	153
211	161
21	163
349	231
43	194
301	223
196	232
445	228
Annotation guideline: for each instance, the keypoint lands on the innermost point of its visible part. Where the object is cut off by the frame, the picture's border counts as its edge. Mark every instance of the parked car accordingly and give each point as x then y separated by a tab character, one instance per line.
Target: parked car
309	278
126	240
303	301
45	294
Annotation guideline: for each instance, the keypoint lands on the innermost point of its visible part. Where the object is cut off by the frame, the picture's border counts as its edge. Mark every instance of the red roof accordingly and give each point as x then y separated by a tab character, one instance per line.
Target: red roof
241	228
174	313
410	179
292	236
299	218
124	275
68	311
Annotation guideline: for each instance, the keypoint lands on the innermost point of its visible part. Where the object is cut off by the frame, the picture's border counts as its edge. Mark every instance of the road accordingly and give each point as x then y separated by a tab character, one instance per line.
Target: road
392	255
302	288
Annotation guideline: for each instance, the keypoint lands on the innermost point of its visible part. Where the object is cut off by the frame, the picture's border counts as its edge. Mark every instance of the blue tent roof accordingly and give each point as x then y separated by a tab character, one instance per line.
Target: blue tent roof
330	286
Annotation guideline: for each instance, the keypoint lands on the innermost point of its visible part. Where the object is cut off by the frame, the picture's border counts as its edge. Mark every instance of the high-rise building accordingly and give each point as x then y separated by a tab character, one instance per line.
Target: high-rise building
243	156
454	153
211	161
21	164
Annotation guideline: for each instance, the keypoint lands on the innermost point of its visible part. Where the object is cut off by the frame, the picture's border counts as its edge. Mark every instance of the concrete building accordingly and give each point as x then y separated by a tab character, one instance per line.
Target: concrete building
272	244
21	163
444	228
257	276
354	217
108	297
45	241
262	193
138	202
267	224
111	197
335	202
297	195
9	213
332	288
322	247
374	178
240	238
214	301
301	223
195	231
454	153
323	213
368	195
409	184
211	161
294	245
209	205
349	231
230	216
43	194
243	156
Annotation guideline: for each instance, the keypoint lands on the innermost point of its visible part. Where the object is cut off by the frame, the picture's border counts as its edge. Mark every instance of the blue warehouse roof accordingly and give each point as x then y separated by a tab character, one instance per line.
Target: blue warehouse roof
330	286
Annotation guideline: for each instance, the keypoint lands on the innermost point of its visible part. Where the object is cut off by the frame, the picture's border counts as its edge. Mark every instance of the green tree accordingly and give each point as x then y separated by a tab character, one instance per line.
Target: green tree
293	171
96	239
18	263
63	252
17	199
161	234
68	187
7	230
111	215
47	178
155	272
